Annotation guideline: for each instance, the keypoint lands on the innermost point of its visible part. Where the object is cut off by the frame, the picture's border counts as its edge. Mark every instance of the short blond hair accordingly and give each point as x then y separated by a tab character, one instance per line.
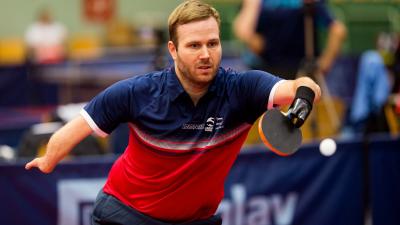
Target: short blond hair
190	11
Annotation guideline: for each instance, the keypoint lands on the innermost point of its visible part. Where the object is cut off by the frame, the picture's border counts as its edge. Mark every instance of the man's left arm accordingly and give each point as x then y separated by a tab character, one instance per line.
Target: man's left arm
285	91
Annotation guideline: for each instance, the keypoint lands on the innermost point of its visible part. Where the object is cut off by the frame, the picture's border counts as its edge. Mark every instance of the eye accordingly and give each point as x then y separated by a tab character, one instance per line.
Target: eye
213	44
194	45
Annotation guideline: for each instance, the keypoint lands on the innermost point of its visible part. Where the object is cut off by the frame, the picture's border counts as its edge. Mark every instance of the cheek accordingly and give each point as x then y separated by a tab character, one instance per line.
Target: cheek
217	54
187	58
184	61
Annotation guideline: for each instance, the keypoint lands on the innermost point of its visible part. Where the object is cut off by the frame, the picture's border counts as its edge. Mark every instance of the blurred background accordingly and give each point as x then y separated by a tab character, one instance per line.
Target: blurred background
56	55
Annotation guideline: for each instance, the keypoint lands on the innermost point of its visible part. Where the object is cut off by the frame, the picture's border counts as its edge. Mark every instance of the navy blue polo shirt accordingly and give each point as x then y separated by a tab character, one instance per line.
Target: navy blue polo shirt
179	154
157	104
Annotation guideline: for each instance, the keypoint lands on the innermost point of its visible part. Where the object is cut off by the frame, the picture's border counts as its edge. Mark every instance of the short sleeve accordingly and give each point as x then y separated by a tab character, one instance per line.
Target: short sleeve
110	108
255	89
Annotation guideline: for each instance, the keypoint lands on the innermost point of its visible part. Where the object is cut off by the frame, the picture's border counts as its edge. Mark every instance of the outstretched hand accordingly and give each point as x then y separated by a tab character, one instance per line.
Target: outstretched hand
40	163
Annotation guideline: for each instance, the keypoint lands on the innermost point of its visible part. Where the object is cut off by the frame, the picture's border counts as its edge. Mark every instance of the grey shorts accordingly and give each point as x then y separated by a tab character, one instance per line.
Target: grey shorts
110	211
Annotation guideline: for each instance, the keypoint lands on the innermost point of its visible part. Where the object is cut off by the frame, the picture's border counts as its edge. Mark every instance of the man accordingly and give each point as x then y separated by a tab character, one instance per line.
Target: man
274	32
187	125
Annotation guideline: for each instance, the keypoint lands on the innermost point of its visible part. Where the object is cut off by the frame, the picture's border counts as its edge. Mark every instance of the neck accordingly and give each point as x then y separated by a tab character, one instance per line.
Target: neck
195	96
194	90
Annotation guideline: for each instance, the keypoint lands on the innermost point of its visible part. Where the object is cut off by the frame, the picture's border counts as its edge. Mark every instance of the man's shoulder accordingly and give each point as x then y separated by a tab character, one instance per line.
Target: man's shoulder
146	79
230	74
230	78
145	83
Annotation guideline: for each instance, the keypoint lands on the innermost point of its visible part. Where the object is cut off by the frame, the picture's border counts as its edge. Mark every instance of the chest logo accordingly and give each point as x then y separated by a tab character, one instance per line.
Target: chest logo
211	124
217	122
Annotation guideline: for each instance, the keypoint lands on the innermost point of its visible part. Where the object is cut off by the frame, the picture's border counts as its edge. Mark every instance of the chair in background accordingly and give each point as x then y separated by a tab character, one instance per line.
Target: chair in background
12	51
84	46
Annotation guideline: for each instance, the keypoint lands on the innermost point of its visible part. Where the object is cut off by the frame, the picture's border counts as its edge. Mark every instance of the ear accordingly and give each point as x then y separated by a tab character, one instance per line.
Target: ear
172	49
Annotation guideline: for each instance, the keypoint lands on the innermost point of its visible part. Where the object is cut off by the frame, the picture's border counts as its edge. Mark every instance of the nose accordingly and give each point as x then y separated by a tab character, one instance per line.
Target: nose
204	54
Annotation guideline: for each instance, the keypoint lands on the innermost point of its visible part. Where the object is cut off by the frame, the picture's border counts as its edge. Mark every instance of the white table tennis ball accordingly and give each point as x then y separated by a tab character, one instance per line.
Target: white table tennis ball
327	147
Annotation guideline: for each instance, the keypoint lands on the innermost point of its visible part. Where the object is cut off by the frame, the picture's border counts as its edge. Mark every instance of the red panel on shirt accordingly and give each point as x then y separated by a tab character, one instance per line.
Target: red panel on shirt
170	185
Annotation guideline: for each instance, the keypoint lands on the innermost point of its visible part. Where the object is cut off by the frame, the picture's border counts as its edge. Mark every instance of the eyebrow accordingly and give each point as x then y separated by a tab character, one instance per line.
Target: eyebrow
214	39
211	40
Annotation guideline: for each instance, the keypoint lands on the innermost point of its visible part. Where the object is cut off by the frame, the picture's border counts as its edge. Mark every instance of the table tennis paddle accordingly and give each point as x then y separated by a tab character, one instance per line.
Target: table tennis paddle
281	132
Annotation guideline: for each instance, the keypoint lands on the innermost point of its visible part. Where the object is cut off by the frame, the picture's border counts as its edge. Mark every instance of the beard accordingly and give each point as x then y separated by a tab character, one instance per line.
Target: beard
200	74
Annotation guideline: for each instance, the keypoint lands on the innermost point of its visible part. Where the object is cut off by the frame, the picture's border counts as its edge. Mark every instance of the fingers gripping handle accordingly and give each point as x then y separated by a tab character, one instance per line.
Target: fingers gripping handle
299	112
301	106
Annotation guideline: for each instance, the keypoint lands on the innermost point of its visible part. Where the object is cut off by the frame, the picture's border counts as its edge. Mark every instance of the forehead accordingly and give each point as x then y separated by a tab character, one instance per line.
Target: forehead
202	30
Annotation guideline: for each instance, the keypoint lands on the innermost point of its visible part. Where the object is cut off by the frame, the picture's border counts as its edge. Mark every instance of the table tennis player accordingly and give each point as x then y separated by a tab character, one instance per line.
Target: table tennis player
187	125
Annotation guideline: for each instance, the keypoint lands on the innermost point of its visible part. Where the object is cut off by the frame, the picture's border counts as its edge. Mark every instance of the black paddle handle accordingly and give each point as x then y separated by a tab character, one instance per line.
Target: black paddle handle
301	106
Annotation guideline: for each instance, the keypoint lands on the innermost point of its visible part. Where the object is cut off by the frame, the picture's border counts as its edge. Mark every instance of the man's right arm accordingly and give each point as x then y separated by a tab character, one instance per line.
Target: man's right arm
61	143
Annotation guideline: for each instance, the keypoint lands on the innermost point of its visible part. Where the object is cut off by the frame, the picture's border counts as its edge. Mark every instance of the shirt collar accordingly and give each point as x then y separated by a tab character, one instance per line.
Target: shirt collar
213	89
175	88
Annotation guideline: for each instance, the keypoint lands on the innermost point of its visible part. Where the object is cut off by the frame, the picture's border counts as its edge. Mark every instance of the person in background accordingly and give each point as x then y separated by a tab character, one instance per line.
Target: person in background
46	39
377	80
273	31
